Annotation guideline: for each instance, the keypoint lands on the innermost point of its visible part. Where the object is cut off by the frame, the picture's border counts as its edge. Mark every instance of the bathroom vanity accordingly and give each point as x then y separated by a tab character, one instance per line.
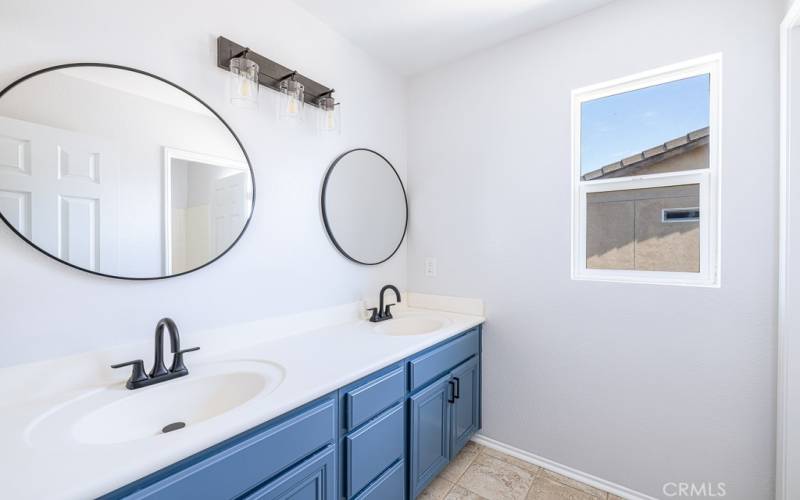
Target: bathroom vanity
389	432
317	406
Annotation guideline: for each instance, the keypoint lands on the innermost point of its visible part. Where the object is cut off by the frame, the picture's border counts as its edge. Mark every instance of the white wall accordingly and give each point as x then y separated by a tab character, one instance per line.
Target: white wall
637	384
284	263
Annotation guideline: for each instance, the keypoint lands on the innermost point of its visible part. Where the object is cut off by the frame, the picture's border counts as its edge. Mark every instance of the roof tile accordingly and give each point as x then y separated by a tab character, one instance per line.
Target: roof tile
698	134
649	153
632	159
677	142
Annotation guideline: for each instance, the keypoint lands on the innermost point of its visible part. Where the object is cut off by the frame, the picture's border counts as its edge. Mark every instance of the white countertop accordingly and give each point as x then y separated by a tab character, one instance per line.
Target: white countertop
315	362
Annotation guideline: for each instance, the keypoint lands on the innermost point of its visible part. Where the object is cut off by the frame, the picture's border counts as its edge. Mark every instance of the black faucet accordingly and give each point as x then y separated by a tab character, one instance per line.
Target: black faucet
382	313
159	372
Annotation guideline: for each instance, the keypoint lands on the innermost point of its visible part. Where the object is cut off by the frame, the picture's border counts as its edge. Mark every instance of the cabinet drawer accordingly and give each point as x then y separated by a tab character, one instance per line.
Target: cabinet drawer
430	365
390	486
365	401
314	479
373	448
249	462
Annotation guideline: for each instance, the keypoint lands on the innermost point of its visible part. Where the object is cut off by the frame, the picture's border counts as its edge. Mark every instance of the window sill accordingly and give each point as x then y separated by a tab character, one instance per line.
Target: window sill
647	279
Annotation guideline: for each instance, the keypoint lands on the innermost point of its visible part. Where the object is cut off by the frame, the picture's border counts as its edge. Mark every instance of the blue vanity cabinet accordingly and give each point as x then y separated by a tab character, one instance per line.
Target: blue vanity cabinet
373	449
373	437
390	485
314	479
279	450
444	412
383	437
465	411
429	447
438	360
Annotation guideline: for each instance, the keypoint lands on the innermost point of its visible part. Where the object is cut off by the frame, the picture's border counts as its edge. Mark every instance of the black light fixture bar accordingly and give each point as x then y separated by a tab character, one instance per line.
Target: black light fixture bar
270	73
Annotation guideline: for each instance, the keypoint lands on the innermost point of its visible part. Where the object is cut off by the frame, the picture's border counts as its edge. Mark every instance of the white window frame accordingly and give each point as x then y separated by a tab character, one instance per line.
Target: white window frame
709	180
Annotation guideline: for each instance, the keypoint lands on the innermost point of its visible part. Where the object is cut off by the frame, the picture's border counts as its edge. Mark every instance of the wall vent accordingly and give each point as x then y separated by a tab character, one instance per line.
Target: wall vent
680	215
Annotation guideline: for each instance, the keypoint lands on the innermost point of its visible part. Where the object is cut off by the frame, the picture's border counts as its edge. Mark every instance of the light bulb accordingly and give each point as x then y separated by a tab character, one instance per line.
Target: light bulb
292	100
291	107
328	115
244	89
330	120
244	82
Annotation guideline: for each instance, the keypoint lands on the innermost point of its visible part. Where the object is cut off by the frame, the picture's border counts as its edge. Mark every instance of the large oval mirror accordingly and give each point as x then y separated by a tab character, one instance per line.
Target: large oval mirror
364	206
119	172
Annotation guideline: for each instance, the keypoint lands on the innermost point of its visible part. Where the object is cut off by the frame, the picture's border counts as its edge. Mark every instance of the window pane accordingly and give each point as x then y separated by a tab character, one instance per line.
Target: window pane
663	128
652	229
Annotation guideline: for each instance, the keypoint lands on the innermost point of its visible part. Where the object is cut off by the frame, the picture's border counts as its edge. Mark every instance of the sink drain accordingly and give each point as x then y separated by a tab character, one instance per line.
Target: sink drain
174	426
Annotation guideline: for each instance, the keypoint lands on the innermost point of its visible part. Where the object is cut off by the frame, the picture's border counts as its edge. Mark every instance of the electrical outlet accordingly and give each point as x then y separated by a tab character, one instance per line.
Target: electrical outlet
430	267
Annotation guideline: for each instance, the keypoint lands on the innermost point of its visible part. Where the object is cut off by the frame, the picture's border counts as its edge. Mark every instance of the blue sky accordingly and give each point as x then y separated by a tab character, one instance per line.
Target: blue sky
618	126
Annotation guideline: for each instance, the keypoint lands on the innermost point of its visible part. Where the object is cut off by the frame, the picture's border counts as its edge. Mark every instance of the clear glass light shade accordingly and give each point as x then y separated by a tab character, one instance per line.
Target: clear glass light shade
244	82
291	100
329	116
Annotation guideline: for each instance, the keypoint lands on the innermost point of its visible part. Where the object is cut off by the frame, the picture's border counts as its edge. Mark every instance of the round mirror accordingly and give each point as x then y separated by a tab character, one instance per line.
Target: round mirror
119	172
364	206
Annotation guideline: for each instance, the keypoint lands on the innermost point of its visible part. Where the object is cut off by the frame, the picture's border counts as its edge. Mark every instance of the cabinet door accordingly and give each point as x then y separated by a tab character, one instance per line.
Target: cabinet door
429	432
465	413
314	479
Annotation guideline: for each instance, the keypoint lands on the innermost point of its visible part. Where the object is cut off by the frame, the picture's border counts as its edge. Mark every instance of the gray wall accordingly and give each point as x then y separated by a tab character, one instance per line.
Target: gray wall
284	263
637	384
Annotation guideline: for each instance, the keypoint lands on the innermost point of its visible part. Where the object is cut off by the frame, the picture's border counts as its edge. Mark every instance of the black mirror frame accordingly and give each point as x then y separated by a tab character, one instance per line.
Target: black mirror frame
145	73
326	222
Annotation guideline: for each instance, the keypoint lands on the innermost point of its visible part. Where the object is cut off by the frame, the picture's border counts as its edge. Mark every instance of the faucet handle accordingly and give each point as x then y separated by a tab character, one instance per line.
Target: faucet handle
137	374
177	360
374	316
387	312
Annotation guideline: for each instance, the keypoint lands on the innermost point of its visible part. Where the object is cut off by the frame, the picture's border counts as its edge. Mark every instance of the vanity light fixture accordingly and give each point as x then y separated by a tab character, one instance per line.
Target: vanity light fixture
329	114
244	80
294	90
291	99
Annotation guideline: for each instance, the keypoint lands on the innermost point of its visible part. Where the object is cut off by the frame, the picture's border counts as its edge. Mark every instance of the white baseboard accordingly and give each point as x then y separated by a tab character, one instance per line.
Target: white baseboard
616	489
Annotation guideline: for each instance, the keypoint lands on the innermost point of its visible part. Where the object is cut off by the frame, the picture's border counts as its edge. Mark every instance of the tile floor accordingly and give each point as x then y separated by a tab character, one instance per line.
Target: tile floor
481	473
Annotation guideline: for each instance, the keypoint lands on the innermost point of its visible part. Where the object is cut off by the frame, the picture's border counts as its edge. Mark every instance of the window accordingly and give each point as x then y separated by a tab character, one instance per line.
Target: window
645	170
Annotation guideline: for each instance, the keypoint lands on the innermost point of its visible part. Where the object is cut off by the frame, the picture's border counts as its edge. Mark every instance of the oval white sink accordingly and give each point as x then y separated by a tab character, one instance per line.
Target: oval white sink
113	414
411	324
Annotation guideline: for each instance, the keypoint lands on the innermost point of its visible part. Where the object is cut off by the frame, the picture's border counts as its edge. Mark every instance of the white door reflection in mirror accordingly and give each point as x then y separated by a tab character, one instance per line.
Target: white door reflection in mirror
207	201
61	188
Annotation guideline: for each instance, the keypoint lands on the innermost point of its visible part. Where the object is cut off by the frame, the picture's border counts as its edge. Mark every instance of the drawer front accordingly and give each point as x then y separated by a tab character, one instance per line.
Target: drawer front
364	402
244	465
314	479
390	486
373	448
432	364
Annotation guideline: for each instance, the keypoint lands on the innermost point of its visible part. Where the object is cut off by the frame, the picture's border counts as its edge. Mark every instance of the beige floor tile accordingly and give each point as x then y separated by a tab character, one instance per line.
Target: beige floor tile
573	483
511	460
458	465
474	446
495	479
436	490
461	493
544	488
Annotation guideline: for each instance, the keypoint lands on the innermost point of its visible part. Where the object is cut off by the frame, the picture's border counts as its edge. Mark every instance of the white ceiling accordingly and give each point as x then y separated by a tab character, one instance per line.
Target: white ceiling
416	35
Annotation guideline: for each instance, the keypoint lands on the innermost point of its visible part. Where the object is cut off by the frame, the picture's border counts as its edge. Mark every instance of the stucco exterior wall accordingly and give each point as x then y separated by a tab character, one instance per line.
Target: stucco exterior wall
625	230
